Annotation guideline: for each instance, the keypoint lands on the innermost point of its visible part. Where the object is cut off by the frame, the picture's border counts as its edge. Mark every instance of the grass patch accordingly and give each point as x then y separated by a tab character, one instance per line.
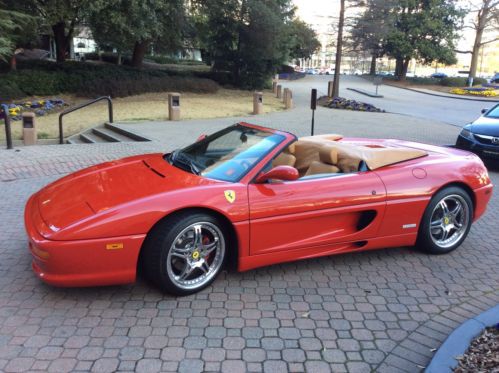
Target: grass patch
150	106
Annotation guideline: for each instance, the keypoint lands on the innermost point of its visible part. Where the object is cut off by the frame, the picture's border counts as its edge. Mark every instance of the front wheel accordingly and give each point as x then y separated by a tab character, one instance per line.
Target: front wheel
446	221
184	254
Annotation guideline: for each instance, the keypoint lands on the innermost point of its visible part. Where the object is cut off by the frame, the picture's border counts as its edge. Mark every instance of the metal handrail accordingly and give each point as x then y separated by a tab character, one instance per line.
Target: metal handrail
8	132
81	106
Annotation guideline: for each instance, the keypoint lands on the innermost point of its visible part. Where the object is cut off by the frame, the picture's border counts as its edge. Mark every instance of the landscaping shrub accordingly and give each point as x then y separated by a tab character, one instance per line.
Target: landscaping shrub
223	78
10	90
424	81
107	57
460	81
87	79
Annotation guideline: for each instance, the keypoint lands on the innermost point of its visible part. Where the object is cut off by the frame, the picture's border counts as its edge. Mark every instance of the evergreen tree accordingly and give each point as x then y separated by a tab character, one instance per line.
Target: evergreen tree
425	30
248	38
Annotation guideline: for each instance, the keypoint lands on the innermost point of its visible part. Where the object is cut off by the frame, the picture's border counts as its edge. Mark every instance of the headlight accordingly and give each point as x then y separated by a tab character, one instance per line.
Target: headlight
466	134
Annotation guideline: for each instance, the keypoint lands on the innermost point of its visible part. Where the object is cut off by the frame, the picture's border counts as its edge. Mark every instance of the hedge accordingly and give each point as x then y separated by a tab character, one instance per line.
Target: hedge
446	82
45	78
461	82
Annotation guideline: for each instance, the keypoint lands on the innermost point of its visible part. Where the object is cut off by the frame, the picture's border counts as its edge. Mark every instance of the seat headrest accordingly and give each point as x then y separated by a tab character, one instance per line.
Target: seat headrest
291	148
328	154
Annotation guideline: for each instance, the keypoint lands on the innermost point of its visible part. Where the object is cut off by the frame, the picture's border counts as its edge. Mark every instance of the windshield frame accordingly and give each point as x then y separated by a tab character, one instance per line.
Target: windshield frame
486	115
278	145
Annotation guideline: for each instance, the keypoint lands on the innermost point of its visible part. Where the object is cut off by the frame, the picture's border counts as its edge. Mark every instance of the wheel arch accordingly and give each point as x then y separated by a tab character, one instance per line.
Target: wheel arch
229	227
421	240
463	186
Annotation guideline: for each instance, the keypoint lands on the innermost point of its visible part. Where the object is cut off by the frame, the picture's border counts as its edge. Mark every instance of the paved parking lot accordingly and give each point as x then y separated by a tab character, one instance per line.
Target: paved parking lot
383	311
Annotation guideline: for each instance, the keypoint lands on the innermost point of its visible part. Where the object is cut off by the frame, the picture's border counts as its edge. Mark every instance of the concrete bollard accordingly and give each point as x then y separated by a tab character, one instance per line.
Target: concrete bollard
279	91
288	101
257	103
285	94
274	87
29	129
173	106
330	88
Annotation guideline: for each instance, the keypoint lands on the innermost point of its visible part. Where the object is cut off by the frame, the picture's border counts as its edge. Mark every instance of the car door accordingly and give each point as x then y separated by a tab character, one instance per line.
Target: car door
317	212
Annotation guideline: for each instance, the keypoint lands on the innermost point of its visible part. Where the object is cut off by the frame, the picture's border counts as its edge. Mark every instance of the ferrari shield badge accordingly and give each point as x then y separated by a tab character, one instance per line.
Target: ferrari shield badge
230	196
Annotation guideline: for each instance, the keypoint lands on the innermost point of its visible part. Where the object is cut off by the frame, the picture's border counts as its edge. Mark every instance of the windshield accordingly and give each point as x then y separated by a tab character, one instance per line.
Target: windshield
493	113
228	154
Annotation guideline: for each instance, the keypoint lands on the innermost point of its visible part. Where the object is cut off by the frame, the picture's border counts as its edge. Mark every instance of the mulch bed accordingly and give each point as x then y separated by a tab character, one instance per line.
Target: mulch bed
343	103
482	355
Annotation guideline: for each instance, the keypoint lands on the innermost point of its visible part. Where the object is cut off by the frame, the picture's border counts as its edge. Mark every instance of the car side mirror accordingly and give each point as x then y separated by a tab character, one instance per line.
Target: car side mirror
284	173
484	111
201	138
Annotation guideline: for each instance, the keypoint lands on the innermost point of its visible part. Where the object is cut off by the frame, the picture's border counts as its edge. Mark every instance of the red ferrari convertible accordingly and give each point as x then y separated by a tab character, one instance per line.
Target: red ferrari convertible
255	194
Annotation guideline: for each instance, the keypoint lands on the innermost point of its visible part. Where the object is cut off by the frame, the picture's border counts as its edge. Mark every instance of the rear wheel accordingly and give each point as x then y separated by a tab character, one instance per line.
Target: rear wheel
184	254
446	221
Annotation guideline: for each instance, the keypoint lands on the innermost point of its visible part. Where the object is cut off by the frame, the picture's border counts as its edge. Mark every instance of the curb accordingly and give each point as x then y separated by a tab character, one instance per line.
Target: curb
437	95
362	92
459	340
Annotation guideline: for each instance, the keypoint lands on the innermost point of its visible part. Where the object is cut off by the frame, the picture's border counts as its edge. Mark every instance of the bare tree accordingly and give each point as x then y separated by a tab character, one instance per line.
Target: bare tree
486	19
339	46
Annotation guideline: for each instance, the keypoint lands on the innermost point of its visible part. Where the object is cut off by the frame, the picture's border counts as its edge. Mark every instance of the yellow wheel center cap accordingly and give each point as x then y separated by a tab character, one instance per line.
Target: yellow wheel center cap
195	255
446	220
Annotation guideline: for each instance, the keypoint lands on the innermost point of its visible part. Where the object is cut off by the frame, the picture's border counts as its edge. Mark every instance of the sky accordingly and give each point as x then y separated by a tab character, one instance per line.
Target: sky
308	9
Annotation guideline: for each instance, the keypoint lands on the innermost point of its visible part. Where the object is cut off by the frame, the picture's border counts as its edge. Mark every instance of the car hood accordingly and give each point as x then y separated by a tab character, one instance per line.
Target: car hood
486	126
100	188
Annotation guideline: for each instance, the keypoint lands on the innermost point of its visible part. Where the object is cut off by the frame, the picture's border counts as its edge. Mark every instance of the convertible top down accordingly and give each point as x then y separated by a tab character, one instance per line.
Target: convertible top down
253	194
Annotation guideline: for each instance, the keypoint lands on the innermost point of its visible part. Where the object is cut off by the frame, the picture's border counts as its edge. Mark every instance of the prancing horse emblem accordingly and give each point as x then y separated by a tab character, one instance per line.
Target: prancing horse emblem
230	196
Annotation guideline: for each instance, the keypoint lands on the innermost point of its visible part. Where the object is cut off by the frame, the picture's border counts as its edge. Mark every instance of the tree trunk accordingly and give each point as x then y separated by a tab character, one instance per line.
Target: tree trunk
405	66
119	58
139	51
61	45
372	70
13	62
483	14
339	46
399	62
475	53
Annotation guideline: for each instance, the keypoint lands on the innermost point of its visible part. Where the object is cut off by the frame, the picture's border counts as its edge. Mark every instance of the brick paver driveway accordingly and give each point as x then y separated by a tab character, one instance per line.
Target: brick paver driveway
376	311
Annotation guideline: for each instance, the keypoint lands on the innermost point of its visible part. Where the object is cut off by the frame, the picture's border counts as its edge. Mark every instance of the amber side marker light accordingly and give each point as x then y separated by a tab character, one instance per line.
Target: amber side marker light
39	253
114	246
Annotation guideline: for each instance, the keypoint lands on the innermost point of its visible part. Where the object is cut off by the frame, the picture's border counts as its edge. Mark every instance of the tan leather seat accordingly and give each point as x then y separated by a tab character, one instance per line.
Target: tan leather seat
286	157
328	157
306	152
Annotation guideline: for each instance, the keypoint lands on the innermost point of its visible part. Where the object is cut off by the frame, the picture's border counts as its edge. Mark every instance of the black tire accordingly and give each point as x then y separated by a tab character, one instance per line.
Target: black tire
454	227
161	262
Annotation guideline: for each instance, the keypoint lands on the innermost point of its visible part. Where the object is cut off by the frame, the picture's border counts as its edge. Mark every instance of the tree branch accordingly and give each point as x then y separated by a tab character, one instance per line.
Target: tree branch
489	41
463	52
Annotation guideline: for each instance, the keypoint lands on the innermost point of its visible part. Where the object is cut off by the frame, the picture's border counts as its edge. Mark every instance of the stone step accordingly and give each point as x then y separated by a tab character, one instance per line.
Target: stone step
75	140
91	138
125	132
108	132
110	135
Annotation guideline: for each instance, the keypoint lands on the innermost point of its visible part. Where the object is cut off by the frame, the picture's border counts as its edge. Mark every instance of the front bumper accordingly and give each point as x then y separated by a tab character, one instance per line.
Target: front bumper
480	149
96	262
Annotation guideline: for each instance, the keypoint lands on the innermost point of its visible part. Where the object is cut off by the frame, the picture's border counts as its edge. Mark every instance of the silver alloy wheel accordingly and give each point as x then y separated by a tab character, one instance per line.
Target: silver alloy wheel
449	221
196	255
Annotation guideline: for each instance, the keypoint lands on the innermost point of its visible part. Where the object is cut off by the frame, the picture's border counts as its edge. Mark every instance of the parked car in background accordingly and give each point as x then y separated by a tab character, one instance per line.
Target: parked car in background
482	135
312	71
327	71
438	75
495	79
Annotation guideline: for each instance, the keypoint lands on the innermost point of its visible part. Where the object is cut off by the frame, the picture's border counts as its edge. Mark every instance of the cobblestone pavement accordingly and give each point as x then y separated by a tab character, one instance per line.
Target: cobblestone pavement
381	311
